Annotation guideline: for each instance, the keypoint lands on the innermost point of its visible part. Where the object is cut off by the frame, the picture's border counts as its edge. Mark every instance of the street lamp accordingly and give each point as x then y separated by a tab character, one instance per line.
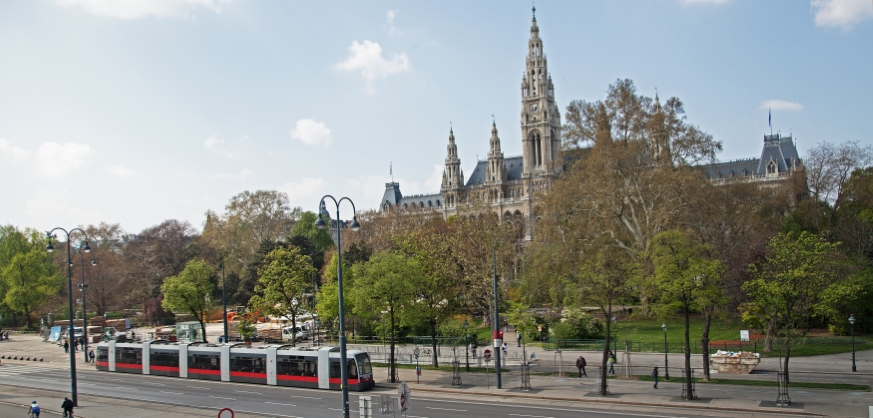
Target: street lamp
320	224
466	345
852	323
70	332
614	338
224	300
82	288
666	370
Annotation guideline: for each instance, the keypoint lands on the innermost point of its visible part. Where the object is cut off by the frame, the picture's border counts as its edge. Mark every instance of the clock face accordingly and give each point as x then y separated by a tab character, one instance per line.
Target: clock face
534	108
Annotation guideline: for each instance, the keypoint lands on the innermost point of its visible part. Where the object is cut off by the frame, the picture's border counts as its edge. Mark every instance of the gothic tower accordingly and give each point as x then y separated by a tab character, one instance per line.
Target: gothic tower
495	171
453	177
540	117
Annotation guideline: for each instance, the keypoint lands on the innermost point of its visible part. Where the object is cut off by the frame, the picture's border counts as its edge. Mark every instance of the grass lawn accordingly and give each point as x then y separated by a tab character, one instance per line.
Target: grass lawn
445	367
646	335
742	382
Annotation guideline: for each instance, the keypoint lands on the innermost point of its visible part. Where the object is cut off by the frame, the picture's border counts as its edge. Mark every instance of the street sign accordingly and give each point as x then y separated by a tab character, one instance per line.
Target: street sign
487	355
416	352
404	393
744	335
539	328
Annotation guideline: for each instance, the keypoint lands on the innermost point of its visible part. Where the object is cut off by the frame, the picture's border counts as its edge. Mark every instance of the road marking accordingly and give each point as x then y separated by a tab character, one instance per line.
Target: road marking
447	409
277	403
305	397
245	391
196	387
152	383
125	387
593	411
530	416
219	397
174	393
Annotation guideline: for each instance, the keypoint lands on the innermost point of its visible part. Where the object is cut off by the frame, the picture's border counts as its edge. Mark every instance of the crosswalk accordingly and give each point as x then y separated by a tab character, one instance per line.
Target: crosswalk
12	369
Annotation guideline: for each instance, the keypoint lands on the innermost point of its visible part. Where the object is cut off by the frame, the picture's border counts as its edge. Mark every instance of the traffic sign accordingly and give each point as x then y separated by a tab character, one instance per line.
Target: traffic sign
487	355
539	328
416	352
404	393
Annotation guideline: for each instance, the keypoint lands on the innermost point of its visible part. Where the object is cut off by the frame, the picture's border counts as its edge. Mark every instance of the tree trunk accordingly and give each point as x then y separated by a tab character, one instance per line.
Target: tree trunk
787	356
605	358
433	339
687	353
392	371
768	339
293	330
704	345
202	325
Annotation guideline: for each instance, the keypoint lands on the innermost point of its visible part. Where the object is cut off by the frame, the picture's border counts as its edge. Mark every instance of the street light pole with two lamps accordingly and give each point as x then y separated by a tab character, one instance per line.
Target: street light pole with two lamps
70	332
321	224
82	287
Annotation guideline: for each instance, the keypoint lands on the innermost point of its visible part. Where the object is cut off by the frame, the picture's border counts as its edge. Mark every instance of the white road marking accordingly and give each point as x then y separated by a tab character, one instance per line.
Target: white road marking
219	397
530	416
196	387
277	403
447	409
305	397
593	411
245	391
174	393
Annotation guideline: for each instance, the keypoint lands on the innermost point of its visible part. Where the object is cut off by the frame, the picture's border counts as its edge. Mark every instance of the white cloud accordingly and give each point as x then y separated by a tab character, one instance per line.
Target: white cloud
392	30
121	171
11	153
843	13
780	105
62	205
308	188
244	174
367	58
216	145
435	181
704	1
135	9
311	132
53	159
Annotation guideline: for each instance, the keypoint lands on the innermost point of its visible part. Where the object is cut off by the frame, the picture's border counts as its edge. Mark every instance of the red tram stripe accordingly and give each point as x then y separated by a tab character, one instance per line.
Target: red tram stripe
128	366
297	378
203	371
103	363
249	374
164	368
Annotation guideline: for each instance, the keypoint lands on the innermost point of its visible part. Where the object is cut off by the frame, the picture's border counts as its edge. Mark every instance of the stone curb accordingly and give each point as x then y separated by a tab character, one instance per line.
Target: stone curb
610	401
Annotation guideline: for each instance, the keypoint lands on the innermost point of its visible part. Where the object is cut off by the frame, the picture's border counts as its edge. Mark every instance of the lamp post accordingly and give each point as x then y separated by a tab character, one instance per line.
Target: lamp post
224	300
320	224
615	339
852	323
70	332
155	293
666	370
466	344
496	325
82	288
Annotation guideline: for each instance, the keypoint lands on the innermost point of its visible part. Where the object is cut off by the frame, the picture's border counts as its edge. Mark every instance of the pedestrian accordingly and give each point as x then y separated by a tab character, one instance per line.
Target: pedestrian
655	376
518	337
91	355
505	349
82	343
580	364
66	346
67	406
611	362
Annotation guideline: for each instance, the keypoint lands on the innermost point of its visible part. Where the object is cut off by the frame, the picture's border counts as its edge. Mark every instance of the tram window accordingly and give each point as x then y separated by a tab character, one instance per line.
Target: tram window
102	354
162	358
364	363
247	364
291	365
126	355
310	367
335	369
203	361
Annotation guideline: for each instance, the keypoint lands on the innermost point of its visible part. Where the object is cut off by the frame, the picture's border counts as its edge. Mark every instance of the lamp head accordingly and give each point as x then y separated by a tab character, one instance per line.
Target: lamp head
355	225
852	319
93	262
319	223
664	326
86	248
49	247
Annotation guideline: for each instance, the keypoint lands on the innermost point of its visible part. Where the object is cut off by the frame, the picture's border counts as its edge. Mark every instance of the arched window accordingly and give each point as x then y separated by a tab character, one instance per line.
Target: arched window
771	168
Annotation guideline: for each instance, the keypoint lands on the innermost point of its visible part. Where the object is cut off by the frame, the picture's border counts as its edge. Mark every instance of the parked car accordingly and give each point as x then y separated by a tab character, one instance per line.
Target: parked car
300	333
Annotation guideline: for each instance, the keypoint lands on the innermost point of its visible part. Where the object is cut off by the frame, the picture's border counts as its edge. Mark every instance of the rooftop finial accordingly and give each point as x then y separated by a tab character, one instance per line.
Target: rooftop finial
450	126
534	9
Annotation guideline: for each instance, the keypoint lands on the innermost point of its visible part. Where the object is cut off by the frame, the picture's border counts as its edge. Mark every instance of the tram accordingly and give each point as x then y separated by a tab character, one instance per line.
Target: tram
278	365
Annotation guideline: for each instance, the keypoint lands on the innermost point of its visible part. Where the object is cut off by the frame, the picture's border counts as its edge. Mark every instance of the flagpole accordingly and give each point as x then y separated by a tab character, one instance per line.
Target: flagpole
770	120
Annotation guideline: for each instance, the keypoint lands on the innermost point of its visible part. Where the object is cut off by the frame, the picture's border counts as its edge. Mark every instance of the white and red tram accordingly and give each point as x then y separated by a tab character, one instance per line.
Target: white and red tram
278	365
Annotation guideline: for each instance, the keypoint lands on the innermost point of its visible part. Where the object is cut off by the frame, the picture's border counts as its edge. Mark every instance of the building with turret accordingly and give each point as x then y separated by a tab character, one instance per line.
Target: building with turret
505	184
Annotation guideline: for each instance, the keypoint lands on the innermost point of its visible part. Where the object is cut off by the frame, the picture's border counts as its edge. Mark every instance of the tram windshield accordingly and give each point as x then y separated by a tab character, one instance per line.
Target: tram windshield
364	363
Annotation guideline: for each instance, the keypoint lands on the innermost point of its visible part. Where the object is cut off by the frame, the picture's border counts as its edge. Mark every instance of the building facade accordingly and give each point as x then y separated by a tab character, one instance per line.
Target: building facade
504	184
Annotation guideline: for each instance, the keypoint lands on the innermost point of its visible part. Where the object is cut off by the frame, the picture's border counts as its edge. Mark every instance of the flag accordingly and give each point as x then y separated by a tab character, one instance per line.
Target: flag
769	118
391	168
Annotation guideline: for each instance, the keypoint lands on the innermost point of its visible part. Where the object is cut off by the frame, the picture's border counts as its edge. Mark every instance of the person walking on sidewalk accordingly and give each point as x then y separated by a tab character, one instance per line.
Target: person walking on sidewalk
67	406
611	362
580	364
66	346
518	337
91	355
655	376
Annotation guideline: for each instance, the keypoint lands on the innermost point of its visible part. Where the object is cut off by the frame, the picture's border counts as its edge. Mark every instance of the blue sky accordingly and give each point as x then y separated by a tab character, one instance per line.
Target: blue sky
138	111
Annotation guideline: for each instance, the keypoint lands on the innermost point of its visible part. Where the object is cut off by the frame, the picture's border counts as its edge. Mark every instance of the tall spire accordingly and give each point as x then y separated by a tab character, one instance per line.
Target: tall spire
534	29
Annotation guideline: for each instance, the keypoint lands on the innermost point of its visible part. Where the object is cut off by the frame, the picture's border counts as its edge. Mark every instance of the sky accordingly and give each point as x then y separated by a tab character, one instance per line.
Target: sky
138	111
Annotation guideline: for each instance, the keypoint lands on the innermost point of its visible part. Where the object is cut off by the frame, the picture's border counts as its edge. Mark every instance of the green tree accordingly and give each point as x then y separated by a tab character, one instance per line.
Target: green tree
284	277
789	282
30	282
687	275
189	290
384	287
305	226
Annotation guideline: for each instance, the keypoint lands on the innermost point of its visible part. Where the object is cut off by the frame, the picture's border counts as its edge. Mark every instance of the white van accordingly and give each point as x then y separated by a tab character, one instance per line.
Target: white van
300	333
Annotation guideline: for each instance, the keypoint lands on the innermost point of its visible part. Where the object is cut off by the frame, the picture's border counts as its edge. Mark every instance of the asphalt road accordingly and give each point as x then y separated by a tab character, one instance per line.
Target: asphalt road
281	401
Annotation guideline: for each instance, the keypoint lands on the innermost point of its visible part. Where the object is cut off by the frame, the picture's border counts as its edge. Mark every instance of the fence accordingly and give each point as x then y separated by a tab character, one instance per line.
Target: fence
659	347
444	355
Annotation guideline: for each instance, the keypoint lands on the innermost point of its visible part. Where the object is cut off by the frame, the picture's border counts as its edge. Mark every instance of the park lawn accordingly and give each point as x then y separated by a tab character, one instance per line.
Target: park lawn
745	382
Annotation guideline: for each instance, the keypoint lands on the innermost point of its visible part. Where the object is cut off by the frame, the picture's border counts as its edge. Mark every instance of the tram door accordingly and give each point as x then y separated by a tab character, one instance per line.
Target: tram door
324	367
